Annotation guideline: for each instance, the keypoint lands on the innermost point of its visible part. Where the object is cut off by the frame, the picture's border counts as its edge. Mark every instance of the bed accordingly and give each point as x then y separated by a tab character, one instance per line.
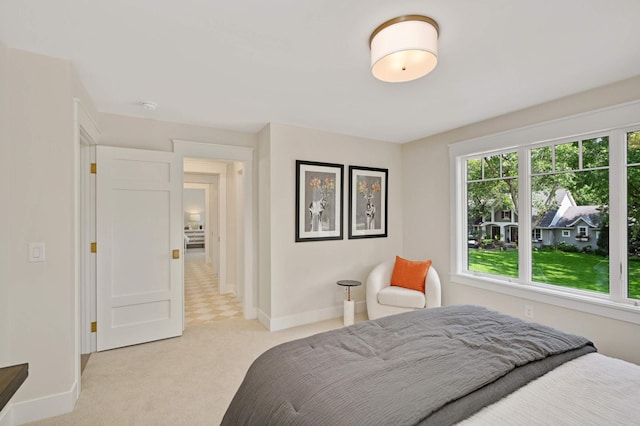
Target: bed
437	366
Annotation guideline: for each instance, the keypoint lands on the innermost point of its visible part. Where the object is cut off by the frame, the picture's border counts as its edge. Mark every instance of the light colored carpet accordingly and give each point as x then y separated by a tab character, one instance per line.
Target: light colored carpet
188	380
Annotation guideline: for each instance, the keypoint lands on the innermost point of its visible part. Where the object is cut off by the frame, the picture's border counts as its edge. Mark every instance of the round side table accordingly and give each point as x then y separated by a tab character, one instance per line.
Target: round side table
349	305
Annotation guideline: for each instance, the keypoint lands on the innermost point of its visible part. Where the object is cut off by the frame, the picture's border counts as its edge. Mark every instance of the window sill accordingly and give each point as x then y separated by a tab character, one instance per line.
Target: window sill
579	302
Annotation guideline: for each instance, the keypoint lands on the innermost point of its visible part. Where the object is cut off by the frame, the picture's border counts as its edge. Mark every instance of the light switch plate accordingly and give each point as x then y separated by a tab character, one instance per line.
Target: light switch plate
36	252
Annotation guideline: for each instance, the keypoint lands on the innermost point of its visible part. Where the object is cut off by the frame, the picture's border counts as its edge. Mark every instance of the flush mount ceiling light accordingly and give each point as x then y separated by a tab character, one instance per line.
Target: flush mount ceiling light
404	48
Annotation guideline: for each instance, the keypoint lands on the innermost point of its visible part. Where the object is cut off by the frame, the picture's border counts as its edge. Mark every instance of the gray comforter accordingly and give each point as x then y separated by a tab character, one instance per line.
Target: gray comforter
432	366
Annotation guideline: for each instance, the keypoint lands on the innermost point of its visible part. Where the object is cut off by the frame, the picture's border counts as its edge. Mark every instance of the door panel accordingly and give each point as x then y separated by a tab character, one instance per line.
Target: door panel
138	217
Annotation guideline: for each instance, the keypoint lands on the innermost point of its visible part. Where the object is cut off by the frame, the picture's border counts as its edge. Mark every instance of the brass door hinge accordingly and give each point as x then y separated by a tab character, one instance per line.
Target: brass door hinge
94	327
93	168
94	247
176	254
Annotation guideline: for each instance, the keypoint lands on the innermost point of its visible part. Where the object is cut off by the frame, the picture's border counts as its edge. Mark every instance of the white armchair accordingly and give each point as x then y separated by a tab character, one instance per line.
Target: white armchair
384	299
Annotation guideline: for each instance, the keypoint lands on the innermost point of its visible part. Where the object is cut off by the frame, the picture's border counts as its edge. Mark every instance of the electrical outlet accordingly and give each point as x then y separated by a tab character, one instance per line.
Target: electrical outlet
528	311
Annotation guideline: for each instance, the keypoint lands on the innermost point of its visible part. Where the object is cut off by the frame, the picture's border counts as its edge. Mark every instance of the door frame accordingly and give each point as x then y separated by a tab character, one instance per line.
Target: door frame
86	134
86	138
248	283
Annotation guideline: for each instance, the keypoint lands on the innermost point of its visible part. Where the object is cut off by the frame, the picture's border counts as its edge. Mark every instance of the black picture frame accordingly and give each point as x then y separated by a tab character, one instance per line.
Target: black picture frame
319	199
368	202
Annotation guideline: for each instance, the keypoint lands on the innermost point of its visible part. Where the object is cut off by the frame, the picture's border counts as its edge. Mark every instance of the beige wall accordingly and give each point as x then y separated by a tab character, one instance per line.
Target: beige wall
38	159
427	217
5	179
147	133
264	215
303	276
235	225
40	153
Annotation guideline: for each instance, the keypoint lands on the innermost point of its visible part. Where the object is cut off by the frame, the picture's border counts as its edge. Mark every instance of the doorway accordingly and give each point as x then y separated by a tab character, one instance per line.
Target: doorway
245	247
210	263
241	247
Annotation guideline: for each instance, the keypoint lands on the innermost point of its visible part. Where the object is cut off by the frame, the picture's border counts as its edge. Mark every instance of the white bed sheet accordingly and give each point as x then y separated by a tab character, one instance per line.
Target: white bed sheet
591	390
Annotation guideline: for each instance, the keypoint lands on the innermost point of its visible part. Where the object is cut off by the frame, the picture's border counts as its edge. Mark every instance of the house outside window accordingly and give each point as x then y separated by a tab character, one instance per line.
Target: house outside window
491	188
633	213
572	175
569	186
536	234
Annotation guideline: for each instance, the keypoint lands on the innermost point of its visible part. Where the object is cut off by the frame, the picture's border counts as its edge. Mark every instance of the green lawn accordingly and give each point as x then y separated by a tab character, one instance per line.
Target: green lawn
575	270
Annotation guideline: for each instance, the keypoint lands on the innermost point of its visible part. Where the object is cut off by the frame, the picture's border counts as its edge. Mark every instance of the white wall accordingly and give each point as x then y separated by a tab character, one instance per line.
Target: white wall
264	216
302	276
5	179
264	224
427	217
237	169
147	133
41	169
39	299
234	223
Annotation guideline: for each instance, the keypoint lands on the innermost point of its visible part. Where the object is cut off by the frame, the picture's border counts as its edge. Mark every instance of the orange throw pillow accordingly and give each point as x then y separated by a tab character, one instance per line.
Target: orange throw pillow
410	274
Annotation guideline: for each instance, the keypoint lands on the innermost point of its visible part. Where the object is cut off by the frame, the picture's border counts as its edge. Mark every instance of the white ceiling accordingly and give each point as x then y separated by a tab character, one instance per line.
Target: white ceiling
239	64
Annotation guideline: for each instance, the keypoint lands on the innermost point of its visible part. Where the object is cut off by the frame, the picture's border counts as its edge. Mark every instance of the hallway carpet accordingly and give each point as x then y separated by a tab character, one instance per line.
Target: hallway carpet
203	302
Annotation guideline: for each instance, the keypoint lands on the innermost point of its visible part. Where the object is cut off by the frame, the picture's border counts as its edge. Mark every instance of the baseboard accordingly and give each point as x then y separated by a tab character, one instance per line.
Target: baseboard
39	408
295	320
262	319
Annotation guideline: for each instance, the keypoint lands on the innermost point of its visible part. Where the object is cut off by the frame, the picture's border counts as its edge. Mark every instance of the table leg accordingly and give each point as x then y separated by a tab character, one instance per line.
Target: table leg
349	312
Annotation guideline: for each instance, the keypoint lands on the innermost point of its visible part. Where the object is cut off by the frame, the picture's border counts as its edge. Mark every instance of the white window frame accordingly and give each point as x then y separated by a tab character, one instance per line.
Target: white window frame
613	122
582	230
566	233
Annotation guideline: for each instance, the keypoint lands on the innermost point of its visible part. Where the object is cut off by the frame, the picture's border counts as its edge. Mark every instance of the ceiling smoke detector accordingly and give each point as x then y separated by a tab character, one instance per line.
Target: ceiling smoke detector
148	105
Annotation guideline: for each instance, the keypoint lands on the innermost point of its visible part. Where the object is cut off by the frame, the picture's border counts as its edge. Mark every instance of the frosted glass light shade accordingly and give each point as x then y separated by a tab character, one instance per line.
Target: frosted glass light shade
194	218
404	48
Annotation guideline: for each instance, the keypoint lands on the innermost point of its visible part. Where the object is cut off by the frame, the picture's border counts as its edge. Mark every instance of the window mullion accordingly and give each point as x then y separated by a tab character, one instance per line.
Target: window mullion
617	216
524	215
460	258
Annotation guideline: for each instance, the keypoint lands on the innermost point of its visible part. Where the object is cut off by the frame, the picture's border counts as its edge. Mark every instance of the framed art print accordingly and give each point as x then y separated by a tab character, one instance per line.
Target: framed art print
367	202
319	212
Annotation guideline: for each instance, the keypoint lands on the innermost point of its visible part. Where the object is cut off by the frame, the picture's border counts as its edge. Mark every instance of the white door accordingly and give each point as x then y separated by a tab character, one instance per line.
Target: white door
138	230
